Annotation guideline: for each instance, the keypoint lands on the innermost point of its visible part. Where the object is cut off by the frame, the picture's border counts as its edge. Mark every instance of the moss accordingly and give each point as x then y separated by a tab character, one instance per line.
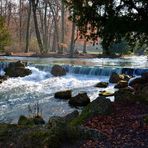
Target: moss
100	106
36	138
30	121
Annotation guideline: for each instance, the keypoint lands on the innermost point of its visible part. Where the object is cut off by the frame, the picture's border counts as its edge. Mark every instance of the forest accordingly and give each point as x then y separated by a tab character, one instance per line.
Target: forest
44	26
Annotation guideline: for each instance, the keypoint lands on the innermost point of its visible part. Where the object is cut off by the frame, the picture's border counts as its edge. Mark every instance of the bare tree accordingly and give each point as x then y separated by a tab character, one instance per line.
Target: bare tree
28	27
34	9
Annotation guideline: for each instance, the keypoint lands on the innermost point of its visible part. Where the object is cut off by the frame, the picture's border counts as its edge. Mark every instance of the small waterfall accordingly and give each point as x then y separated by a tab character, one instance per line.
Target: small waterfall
3	65
134	71
87	70
96	71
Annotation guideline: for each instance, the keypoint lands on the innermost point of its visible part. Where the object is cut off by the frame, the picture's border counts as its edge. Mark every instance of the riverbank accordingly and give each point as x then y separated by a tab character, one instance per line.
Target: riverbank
124	128
57	55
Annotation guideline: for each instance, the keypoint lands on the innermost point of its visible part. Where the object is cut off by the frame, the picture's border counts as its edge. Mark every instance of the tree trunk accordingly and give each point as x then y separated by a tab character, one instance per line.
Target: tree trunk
72	40
20	24
54	42
84	47
28	27
45	37
34	5
56	32
63	26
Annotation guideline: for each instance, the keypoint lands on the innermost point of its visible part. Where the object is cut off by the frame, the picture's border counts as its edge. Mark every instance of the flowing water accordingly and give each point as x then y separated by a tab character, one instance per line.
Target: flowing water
16	94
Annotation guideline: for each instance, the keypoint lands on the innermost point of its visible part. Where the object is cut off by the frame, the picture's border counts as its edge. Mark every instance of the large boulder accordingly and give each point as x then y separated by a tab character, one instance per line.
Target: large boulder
142	93
79	100
58	71
67	94
125	95
100	106
17	69
137	81
115	78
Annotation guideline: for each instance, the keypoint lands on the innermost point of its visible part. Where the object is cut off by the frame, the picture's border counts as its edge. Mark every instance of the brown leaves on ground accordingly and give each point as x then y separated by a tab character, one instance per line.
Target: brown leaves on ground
124	128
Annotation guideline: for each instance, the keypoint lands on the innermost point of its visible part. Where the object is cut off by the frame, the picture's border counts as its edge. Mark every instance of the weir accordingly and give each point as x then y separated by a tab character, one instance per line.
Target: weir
86	70
95	71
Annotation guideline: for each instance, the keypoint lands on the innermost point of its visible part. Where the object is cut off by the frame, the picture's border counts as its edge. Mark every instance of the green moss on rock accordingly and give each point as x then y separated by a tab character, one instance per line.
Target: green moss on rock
100	106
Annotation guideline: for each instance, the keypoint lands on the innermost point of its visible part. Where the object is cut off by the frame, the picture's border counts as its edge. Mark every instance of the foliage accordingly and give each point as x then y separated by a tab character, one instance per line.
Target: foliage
120	48
4	35
111	20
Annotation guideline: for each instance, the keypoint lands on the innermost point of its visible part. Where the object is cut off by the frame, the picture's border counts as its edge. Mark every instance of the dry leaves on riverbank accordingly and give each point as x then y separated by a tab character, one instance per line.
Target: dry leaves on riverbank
124	128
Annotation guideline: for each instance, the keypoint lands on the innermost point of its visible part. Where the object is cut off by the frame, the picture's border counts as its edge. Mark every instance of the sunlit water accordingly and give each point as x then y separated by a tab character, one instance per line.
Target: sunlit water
39	87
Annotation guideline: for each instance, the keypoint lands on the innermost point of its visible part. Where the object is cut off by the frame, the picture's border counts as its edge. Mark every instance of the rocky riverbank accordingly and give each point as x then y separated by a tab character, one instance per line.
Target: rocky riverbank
102	123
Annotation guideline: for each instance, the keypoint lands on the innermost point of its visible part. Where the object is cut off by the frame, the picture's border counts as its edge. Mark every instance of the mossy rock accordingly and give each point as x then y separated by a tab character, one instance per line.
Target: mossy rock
37	138
17	70
125	95
37	120
100	106
81	99
102	84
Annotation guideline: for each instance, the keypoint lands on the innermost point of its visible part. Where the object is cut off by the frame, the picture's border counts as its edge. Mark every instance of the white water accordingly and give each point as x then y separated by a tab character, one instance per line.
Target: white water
39	87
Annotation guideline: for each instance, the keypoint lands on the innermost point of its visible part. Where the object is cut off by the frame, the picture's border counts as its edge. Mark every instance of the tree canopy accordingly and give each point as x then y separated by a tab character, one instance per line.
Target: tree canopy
111	20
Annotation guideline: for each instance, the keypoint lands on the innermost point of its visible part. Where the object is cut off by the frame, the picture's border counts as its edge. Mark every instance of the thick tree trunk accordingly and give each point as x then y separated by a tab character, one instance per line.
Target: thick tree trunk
28	27
34	5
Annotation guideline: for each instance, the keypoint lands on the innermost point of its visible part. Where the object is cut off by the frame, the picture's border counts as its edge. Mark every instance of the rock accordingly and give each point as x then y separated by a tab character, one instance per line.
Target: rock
58	71
71	116
79	100
106	93
63	94
137	80
121	84
102	84
145	75
115	78
125	95
37	120
142	93
17	70
3	78
100	106
56	121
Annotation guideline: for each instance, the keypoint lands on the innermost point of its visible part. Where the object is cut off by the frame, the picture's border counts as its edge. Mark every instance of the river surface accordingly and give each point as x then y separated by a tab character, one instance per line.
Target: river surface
17	95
